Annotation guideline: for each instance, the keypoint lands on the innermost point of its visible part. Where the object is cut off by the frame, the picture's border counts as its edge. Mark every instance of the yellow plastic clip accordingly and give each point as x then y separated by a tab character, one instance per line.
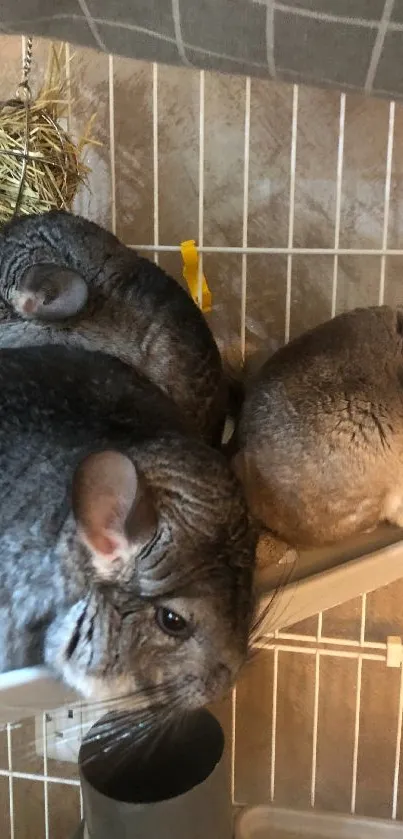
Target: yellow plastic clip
190	258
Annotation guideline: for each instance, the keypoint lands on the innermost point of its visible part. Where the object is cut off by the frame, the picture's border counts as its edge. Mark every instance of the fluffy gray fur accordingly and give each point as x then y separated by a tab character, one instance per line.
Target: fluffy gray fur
74	283
92	618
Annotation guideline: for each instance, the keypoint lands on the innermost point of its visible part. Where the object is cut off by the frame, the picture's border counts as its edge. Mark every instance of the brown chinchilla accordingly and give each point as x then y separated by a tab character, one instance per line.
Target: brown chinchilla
320	438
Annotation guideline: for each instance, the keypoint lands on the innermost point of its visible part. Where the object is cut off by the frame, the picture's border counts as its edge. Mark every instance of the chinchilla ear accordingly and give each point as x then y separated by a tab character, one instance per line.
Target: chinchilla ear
113	508
50	292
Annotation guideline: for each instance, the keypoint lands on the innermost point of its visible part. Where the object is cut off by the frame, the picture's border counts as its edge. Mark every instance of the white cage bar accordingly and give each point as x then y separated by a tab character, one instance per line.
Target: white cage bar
291	215
339	179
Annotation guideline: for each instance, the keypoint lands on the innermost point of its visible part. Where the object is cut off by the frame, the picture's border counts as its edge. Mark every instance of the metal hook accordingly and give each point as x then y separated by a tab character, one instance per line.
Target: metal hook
23	89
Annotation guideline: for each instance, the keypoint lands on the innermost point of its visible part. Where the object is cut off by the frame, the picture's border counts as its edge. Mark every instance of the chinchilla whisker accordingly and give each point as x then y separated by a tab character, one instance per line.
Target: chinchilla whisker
105	731
142	694
130	720
110	728
269	610
122	740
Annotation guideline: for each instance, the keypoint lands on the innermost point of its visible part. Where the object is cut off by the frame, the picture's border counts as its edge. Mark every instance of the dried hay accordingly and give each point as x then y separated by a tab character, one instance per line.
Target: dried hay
40	166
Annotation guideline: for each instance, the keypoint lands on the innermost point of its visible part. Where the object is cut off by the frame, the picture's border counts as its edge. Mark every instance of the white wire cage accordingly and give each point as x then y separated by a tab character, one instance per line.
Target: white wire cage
305	728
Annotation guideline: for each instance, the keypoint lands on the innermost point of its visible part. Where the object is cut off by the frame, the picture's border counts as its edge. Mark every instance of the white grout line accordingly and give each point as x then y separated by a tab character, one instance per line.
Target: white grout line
92	24
289	8
176	16
378	45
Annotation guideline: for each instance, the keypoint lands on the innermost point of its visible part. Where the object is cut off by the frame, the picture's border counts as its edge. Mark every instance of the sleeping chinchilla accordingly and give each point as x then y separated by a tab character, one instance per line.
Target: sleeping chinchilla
320	438
71	282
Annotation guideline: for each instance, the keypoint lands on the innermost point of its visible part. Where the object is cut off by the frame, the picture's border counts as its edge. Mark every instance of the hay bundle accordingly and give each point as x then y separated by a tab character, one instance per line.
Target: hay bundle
40	166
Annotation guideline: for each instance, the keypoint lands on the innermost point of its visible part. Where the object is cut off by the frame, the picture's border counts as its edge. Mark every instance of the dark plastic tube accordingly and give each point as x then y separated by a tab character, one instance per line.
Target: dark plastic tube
176	787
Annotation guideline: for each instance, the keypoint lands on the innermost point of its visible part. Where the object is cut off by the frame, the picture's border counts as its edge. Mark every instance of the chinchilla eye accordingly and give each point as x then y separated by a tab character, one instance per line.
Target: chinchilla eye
172	624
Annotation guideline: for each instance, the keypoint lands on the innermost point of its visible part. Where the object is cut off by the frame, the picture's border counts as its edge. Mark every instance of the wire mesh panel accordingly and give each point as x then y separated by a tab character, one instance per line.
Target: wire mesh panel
294	198
329	727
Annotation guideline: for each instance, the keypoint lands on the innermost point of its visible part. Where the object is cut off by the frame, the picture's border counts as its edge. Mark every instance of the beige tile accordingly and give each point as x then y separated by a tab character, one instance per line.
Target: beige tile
270	139
311	300
3	749
357	282
336	718
253	730
377	744
24	750
4	808
64	811
395	237
384	612
316	161
306	627
366	131
178	133
29	809
344	621
393	280
294	729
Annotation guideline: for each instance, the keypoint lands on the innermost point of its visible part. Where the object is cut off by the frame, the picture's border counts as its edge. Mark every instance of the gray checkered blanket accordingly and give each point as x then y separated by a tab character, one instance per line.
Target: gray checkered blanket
351	44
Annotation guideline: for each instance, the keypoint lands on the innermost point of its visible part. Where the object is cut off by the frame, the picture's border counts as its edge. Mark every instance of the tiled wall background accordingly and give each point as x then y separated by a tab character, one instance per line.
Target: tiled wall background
353	43
358	282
